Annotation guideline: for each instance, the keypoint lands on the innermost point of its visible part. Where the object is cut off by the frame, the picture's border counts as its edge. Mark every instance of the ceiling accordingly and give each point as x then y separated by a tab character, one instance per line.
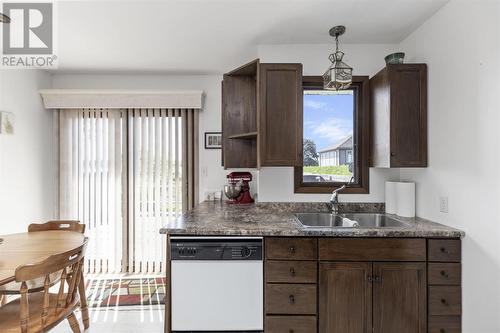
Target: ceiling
211	36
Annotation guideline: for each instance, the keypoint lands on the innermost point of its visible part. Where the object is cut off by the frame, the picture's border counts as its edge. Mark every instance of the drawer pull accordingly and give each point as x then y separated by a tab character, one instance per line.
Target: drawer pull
292	250
444	301
291	330
291	299
444	250
444	274
292	271
442	330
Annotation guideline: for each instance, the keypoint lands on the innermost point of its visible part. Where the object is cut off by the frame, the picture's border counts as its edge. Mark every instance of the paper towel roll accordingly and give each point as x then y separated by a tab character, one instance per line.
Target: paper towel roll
390	198
405	192
349	223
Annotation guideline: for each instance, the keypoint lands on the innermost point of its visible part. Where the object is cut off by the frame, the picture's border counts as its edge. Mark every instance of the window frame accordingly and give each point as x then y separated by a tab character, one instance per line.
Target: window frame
362	130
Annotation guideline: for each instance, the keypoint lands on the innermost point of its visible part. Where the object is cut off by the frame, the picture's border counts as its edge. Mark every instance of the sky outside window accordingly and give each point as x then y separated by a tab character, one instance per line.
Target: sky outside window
328	122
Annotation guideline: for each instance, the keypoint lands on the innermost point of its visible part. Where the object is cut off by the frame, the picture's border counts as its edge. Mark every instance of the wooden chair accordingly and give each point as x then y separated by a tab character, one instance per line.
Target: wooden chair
38	284
41	311
69	225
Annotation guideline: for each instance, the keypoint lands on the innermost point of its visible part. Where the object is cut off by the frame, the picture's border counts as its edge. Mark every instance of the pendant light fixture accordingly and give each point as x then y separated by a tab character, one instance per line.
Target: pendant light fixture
4	18
339	75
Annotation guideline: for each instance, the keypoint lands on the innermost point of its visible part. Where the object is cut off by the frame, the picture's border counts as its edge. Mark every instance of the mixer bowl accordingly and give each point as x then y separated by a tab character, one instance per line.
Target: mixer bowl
232	191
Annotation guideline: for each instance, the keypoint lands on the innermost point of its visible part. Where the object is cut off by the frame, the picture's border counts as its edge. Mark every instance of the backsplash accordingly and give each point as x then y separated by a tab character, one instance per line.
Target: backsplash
351	207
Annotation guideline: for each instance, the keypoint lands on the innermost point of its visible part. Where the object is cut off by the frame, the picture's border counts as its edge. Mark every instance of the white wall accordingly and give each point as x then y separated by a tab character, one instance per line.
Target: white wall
276	184
26	186
461	45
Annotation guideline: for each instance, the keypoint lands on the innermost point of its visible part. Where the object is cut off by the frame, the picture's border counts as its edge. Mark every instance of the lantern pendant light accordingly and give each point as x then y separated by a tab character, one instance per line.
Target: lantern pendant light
4	18
339	75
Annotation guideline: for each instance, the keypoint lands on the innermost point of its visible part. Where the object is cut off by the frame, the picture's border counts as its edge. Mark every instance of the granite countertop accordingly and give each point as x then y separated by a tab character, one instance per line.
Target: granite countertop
278	219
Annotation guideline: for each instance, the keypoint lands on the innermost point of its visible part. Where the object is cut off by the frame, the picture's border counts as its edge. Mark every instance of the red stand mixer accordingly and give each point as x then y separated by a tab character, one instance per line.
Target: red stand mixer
238	190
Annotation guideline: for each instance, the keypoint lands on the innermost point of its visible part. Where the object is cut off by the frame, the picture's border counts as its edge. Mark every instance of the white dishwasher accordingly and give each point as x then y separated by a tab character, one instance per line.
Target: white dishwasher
217	284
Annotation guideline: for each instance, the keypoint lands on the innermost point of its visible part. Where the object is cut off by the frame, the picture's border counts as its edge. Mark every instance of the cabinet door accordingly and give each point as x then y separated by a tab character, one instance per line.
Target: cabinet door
345	297
280	115
399	298
408	119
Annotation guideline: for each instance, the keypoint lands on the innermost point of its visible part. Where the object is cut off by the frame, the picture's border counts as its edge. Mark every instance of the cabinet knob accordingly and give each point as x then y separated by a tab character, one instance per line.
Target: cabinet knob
291	299
444	250
444	301
292	271
444	274
291	331
393	154
292	249
442	330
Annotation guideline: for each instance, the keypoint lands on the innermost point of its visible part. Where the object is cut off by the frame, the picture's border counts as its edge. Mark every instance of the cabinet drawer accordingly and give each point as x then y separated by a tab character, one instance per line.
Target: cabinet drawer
445	274
290	299
445	300
372	249
445	250
291	248
291	271
445	324
290	324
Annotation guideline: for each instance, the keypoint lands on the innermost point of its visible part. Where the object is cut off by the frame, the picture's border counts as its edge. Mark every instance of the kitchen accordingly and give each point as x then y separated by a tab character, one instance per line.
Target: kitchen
377	231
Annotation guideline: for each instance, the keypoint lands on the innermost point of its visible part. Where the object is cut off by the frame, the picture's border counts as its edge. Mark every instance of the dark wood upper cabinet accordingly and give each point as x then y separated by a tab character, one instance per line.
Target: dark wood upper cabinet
345	297
239	117
262	115
280	115
398	95
399	297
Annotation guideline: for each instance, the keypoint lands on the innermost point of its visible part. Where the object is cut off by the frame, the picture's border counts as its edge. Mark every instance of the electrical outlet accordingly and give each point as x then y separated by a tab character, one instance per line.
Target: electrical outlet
443	204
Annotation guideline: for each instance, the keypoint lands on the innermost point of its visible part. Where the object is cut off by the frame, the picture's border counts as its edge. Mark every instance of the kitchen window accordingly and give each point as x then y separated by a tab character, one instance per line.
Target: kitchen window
335	138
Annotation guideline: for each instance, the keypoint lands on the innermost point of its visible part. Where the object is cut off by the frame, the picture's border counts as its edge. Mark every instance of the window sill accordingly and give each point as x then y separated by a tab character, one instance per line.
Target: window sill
322	189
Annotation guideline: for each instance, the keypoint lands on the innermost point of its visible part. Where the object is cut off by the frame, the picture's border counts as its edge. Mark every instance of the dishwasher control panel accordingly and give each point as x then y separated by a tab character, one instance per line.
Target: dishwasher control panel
216	248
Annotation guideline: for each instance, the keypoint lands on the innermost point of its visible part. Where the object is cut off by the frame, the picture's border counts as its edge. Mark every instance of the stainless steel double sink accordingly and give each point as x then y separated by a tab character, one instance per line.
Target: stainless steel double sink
364	220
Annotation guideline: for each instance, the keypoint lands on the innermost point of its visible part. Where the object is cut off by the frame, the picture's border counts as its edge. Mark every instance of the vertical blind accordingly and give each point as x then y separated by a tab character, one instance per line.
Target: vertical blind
125	173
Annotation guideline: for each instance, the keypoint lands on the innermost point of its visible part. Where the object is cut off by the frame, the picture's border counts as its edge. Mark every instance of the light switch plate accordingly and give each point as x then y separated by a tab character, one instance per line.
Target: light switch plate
443	204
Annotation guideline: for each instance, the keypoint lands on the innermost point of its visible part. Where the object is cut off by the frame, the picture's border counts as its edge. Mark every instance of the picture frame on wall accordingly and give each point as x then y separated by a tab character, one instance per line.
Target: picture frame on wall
7	122
213	140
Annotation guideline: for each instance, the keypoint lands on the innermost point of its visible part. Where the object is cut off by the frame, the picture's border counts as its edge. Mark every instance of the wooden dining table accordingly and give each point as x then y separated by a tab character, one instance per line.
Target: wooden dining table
32	247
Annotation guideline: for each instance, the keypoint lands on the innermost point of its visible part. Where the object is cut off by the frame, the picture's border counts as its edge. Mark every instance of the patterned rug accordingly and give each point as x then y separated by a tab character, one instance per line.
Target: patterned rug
126	292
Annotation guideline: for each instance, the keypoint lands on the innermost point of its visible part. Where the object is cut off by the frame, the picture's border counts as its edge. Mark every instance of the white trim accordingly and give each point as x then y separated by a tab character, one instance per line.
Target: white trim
115	99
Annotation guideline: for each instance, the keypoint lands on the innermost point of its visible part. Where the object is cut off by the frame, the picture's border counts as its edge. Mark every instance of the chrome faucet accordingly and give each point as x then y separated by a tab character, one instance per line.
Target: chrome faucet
334	199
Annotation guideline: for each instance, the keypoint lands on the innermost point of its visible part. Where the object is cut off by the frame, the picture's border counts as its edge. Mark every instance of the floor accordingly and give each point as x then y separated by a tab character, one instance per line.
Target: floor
120	319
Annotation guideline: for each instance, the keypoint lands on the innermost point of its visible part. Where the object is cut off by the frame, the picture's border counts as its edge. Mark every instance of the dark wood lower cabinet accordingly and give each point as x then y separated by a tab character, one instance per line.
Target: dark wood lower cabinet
290	324
345	297
362	285
399	298
291	298
445	324
362	297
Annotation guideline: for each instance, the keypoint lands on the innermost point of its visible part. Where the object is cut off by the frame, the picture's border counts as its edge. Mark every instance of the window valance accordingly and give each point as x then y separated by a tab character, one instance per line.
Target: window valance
117	99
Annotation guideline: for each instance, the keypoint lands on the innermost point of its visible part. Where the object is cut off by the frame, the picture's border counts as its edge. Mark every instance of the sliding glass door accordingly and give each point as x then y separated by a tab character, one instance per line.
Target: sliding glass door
125	173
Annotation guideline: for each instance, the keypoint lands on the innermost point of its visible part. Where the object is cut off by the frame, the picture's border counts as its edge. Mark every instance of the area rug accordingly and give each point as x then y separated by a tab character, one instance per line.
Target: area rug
126	292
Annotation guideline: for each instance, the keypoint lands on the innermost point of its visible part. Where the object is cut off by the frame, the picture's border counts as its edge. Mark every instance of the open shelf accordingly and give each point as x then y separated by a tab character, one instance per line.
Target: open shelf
246	136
